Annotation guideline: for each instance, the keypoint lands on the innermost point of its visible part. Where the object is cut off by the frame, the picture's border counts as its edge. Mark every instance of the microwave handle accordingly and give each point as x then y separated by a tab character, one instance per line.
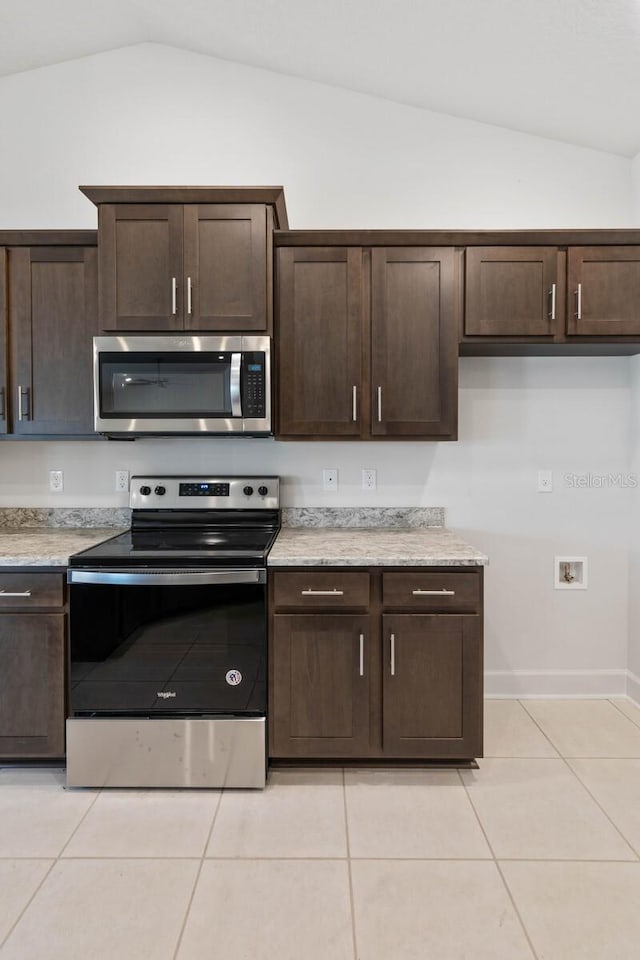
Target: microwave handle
234	385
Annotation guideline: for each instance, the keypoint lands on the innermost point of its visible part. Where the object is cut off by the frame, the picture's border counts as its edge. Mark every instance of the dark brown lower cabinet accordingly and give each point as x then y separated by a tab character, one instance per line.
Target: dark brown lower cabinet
431	694
32	666
402	678
320	695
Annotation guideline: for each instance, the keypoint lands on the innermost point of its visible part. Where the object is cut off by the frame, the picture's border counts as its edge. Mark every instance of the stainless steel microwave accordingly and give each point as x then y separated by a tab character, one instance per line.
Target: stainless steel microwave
181	385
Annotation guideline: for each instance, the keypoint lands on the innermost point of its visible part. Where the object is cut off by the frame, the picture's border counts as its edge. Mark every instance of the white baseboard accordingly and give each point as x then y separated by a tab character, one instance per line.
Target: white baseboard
633	687
561	683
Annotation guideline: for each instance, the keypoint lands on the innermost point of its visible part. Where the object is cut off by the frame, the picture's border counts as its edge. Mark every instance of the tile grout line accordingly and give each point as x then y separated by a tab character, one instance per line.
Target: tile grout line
54	861
614	704
183	926
565	760
599	805
534	952
354	938
543	732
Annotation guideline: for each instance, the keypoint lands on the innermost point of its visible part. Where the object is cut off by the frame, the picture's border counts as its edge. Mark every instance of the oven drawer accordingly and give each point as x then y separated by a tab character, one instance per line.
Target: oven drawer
31	590
321	590
432	591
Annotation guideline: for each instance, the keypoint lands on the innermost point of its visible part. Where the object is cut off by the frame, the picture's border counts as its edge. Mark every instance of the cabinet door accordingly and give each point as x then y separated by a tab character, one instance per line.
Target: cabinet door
319	691
414	343
511	292
320	341
432	686
604	291
53	295
225	266
141	249
32	685
4	319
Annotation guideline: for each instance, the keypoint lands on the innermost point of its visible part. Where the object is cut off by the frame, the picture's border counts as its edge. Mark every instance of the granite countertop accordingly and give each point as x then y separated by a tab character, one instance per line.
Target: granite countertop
47	546
351	547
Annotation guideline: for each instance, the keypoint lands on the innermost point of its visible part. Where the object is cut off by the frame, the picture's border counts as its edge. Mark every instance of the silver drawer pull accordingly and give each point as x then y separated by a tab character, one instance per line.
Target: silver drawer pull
579	302
174	295
322	593
6	593
362	654
434	593
393	654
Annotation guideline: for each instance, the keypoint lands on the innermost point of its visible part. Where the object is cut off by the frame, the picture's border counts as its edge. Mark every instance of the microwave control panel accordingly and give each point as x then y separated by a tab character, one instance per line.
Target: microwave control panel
253	385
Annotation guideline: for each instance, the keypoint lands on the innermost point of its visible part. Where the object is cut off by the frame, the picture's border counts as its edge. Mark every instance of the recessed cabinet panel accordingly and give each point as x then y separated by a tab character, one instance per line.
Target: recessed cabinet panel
604	291
225	275
413	342
511	292
320	341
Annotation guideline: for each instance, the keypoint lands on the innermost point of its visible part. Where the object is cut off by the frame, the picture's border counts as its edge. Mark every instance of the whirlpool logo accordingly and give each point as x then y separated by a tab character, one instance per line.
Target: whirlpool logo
165	694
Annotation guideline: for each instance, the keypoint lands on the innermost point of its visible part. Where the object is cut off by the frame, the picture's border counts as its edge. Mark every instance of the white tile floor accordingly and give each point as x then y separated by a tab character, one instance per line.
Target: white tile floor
535	856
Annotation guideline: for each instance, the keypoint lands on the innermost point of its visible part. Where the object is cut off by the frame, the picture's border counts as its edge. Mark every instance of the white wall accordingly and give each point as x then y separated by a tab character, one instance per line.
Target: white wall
152	114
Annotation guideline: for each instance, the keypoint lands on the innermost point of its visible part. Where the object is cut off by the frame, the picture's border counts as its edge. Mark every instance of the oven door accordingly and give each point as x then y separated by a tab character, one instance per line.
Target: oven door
167	643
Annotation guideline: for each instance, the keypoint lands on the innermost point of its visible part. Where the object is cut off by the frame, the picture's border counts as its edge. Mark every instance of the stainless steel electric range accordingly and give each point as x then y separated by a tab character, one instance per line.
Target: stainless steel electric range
168	638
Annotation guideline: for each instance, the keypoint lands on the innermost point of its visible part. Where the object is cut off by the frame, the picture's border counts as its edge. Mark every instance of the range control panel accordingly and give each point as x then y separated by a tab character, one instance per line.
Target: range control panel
205	493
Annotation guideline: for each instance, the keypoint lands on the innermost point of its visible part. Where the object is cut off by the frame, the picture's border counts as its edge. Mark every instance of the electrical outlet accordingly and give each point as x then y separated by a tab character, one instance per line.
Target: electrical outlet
369	479
56	481
330	479
545	481
122	481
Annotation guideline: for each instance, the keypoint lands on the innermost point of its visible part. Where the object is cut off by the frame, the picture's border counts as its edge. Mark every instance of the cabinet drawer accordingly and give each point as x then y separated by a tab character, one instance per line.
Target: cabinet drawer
432	591
30	590
321	590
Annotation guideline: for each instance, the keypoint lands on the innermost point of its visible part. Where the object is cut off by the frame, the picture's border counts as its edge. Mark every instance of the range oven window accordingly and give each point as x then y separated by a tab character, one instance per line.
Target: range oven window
162	385
168	650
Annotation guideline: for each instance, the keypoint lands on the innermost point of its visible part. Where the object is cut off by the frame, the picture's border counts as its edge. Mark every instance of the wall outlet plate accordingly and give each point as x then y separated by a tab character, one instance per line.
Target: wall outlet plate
330	479
122	481
545	481
56	481
369	479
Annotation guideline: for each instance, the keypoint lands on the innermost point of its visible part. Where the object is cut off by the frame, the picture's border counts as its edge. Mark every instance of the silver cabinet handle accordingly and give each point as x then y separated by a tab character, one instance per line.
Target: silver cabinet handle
362	654
393	654
6	593
434	593
553	301
579	302
174	295
322	593
22	391
189	295
3	411
379	404
354	403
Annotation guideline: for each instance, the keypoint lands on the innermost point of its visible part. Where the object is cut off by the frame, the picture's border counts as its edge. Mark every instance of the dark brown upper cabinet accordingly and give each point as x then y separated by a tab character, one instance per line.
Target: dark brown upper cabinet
512	292
604	291
49	317
186	258
320	341
367	342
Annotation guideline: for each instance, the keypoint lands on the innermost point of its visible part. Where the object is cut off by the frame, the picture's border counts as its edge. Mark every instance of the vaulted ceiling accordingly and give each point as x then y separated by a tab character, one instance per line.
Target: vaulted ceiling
565	69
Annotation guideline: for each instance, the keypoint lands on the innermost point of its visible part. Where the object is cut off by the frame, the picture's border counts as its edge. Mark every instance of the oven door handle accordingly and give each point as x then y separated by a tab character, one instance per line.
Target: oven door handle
162	577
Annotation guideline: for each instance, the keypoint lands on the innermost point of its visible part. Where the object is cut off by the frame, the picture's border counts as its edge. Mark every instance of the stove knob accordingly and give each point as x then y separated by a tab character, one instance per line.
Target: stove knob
248	491
263	491
145	491
160	491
